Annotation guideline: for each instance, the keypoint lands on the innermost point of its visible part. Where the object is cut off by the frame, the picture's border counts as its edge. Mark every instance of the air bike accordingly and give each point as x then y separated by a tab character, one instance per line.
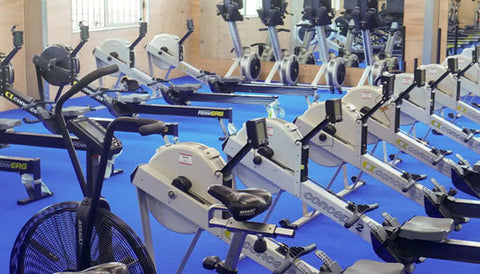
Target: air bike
121	53
73	236
282	165
183	196
384	125
59	66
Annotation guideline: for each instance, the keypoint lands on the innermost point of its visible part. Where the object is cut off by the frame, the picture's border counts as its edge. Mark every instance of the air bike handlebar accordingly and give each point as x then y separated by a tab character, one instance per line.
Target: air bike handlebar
84	82
92	191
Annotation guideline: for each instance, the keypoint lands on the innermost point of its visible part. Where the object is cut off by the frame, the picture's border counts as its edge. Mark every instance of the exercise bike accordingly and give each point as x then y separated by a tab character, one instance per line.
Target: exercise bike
73	236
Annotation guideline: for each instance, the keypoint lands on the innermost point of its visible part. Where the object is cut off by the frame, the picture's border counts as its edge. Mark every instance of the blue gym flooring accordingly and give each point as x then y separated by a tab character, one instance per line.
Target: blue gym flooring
337	242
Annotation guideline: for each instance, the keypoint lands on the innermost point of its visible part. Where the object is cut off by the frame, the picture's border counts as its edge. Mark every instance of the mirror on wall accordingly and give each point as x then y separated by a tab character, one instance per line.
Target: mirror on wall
463	25
216	39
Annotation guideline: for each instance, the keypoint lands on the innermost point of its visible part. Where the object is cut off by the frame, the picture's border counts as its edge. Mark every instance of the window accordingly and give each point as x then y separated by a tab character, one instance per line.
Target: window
250	8
108	14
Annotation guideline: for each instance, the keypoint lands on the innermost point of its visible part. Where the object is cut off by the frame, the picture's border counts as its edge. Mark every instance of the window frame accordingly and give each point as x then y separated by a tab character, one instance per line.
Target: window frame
144	8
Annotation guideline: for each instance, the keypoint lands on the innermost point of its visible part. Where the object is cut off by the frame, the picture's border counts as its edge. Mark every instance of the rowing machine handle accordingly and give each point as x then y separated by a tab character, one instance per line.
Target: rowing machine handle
190	25
143	28
84	82
293	254
84	32
17	37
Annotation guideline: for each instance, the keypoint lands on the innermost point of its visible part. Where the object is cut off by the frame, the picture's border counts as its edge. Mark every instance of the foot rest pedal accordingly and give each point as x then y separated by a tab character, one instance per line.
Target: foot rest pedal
426	228
9	123
358	211
285	223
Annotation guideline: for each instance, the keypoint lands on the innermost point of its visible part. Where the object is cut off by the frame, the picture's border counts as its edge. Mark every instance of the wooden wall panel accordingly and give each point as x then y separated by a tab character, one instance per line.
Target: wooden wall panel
414	22
12	13
466	13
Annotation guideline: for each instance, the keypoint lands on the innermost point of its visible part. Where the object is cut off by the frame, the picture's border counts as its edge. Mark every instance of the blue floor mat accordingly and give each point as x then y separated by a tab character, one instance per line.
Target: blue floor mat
337	242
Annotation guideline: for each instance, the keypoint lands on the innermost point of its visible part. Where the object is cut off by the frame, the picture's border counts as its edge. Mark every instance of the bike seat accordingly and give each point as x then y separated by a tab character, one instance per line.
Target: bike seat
243	204
9	123
186	87
133	98
426	228
107	268
367	266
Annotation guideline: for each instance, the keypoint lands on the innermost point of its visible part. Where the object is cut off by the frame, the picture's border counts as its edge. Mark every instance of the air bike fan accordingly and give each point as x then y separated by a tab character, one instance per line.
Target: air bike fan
73	236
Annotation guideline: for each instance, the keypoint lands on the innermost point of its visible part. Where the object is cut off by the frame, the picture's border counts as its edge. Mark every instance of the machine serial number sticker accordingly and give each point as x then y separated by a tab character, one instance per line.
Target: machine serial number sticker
407	81
366	95
270	131
185	159
432	71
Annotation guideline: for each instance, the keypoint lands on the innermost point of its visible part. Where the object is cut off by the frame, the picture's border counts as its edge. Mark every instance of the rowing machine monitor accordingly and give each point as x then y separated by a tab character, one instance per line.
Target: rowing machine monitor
333	109
476	54
92	133
143	28
17	38
239	3
452	65
84	32
388	83
256	137
419	77
257	132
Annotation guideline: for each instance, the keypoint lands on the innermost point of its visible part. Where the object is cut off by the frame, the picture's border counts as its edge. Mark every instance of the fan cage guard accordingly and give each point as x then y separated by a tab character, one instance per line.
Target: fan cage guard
47	243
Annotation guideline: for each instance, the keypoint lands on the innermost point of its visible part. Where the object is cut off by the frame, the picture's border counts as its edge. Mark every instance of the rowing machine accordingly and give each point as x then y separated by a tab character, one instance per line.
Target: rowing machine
176	194
282	166
166	52
384	124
